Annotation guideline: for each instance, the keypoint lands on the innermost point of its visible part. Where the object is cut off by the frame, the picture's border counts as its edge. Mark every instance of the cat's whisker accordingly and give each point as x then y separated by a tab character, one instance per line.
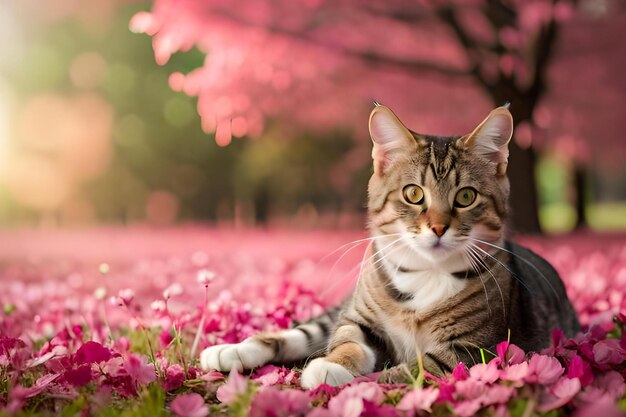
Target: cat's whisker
354	244
346	275
475	267
484	264
527	262
513	274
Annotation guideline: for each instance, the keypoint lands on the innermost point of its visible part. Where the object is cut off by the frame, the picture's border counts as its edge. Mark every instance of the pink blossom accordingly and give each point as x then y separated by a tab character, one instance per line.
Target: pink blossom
543	369
515	373
487	373
189	405
271	401
419	399
608	352
234	386
212	376
349	402
139	370
467	408
559	394
174	377
127	295
272	375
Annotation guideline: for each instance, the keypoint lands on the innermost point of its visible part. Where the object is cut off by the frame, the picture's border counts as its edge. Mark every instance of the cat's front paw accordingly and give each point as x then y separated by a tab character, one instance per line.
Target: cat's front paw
245	355
321	371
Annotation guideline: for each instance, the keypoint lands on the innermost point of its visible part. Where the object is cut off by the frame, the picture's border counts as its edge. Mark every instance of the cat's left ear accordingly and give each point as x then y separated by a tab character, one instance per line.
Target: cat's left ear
491	138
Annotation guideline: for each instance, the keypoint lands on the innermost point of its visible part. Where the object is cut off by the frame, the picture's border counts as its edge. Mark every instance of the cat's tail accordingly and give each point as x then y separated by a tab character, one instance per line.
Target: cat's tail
305	340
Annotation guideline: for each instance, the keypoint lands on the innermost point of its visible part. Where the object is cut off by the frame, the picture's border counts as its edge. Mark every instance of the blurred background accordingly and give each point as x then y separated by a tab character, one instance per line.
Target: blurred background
240	113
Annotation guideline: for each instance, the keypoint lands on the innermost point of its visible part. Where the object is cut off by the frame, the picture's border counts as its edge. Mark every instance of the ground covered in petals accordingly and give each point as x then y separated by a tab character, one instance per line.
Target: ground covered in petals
106	322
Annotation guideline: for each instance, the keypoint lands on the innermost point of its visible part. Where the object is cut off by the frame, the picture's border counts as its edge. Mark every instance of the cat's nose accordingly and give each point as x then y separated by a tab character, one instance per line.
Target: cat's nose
439	229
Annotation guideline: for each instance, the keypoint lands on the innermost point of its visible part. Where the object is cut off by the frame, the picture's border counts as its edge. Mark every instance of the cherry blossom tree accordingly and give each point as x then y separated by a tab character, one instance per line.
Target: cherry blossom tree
317	63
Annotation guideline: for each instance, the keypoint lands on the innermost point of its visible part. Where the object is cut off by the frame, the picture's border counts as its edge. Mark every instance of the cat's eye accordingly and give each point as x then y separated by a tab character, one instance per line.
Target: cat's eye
413	194
465	197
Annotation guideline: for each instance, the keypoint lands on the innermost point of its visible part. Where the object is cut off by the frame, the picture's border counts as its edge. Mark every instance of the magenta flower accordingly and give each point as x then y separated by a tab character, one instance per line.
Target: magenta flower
92	352
79	376
139	370
460	372
419	400
174	377
544	369
189	405
235	385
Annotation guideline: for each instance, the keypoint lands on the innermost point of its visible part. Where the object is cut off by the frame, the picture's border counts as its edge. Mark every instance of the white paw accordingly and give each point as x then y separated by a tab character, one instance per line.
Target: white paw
245	355
320	371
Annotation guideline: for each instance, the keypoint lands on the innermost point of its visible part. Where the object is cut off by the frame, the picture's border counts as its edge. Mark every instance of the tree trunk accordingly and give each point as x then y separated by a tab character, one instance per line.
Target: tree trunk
580	204
523	202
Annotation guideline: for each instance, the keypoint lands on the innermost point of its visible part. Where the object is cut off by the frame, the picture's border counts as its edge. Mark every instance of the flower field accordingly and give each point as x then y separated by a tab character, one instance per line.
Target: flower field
105	323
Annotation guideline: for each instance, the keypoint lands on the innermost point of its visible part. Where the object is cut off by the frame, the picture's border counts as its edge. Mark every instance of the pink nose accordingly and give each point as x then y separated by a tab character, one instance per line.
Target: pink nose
439	229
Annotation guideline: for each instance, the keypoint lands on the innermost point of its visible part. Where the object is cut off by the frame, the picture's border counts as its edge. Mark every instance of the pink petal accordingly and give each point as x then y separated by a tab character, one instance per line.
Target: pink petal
235	385
189	405
419	399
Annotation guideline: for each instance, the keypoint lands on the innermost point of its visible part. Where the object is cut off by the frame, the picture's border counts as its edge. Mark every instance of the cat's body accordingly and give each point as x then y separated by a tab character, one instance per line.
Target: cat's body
440	280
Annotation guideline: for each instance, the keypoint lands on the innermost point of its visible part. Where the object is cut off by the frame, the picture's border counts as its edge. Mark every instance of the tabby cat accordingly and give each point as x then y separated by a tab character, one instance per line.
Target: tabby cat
441	281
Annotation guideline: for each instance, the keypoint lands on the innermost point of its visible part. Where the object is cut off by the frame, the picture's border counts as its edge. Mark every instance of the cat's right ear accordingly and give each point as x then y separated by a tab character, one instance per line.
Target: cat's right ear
391	138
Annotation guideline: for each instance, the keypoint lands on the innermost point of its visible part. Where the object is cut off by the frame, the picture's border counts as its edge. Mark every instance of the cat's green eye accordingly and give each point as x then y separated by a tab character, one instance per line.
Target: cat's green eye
413	194
465	197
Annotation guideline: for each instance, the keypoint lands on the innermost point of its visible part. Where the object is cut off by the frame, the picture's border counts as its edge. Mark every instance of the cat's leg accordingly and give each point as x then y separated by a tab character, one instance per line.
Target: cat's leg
349	356
290	345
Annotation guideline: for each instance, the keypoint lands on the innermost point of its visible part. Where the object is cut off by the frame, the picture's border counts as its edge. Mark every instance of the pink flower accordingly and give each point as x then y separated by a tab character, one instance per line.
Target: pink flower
273	402
543	369
349	402
558	394
419	399
487	373
466	408
515	373
212	376
189	405
126	296
141	372
608	352
234	386
272	375
174	377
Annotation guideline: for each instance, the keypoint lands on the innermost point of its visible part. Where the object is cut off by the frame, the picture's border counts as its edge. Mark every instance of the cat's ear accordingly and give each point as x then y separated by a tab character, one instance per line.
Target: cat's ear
491	138
391	138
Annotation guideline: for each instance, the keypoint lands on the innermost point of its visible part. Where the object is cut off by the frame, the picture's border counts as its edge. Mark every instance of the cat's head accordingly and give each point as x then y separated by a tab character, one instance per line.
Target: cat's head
434	195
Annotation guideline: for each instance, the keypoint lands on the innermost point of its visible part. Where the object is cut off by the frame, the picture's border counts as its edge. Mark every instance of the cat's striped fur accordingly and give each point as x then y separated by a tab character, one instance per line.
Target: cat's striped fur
440	282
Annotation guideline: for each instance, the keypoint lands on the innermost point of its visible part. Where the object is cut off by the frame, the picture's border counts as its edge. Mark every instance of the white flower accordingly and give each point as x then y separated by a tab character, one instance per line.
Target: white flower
173	290
205	276
100	293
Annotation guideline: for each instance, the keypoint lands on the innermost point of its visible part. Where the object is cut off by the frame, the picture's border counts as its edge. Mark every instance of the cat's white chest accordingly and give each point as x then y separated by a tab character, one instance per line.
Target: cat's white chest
428	288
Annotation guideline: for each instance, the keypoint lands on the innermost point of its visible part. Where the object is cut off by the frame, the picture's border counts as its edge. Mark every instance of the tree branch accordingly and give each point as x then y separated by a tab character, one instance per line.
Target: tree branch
368	56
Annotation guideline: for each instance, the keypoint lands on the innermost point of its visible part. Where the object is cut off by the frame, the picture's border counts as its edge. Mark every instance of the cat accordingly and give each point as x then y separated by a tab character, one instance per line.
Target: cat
441	281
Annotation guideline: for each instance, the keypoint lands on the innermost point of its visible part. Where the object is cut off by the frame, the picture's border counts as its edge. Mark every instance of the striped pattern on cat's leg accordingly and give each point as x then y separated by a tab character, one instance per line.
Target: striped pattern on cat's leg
349	356
290	345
